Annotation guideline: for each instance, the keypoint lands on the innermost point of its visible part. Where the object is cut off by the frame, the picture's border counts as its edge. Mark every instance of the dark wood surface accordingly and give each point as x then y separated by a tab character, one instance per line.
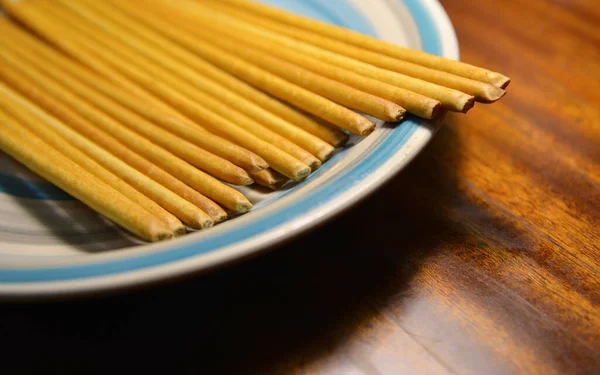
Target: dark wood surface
481	258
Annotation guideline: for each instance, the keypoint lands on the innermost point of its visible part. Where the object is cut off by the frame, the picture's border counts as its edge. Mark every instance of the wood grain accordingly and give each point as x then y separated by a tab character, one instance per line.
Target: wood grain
486	261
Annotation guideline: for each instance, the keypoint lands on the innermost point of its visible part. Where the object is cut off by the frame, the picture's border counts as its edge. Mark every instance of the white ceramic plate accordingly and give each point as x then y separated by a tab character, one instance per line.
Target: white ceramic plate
52	245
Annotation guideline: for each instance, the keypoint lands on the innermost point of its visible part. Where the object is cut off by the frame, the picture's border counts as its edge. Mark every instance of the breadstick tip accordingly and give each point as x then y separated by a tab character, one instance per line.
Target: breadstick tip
179	231
219	218
303	173
243	207
245	181
492	94
316	164
161	236
500	81
468	104
367	130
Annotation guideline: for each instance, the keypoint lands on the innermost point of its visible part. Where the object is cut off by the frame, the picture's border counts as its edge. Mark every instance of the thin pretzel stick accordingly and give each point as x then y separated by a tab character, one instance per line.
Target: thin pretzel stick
327	133
223	194
450	98
376	45
116	148
17	11
260	78
331	89
269	179
275	157
47	162
414	103
483	92
179	126
238	104
199	157
289	167
188	213
54	140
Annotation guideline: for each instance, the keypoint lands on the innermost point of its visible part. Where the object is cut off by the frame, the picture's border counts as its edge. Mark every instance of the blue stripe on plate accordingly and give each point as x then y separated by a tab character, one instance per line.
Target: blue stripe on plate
325	193
430	39
333	11
23	188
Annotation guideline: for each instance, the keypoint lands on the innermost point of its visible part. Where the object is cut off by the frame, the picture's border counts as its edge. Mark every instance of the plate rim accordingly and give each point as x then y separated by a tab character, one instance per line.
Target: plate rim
258	244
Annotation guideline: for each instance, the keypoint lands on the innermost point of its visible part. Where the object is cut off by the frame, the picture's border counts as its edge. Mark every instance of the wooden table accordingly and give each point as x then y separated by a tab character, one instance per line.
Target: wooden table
485	259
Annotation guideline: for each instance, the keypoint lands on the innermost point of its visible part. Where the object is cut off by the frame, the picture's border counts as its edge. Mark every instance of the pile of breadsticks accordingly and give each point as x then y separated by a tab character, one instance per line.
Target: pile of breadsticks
149	111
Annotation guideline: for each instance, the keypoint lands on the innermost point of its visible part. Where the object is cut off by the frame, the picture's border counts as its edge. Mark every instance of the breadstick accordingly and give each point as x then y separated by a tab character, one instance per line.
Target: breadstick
36	22
18	10
140	144
483	92
333	90
307	100
275	157
329	134
188	213
200	158
301	138
269	179
107	142
414	103
450	98
328	88
54	140
369	43
287	165
47	162
221	193
178	126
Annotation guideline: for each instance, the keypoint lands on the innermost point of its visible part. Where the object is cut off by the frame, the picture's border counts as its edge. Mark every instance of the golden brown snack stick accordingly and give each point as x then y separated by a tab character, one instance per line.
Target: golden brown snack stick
202	159
269	179
414	103
18	10
201	181
325	87
267	135
47	162
278	159
369	43
483	92
179	126
39	24
338	92
327	133
223	194
322	129
330	89
298	96
109	143
184	210
102	138
54	140
301	138
450	98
